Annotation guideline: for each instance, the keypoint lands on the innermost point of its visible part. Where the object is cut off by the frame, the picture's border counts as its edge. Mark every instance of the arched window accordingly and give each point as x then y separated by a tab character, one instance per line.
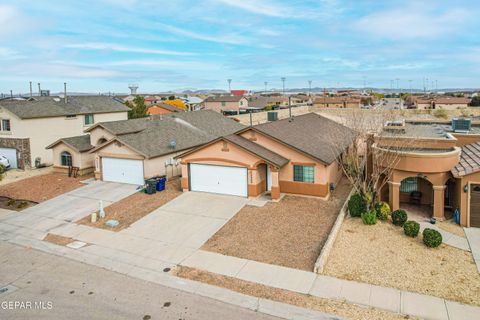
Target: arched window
101	141
66	159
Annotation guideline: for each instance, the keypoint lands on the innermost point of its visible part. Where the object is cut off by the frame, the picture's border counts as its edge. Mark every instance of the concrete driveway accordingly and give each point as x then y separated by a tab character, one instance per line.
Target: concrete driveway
70	206
189	220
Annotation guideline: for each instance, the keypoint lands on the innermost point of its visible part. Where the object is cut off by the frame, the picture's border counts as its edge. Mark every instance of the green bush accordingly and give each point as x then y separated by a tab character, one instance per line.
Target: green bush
383	210
369	217
432	238
411	228
399	217
356	205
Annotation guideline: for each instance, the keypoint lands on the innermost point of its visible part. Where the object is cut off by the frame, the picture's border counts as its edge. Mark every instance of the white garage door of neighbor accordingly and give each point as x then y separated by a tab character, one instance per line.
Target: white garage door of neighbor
123	170
218	179
11	155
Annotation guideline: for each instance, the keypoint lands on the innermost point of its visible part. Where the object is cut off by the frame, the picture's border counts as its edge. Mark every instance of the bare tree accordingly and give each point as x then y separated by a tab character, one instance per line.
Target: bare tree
380	139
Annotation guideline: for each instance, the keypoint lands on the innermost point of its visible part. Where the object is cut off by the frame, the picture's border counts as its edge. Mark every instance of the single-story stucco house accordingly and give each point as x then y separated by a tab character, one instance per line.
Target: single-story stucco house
295	155
131	151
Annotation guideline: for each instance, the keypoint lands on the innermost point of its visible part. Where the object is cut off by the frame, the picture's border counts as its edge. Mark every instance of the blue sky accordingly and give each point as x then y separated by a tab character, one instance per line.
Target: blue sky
103	45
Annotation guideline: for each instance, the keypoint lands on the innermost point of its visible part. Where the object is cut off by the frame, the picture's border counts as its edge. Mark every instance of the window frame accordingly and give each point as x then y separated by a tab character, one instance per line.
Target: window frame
304	173
409	185
88	116
9	125
66	155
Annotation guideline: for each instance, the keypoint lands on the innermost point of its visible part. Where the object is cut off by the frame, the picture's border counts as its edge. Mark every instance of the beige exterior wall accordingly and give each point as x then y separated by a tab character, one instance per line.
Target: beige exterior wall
226	106
83	160
99	133
44	131
463	198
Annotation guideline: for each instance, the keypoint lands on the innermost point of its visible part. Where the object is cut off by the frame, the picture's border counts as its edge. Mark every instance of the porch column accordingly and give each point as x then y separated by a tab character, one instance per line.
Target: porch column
439	202
394	195
275	193
184	177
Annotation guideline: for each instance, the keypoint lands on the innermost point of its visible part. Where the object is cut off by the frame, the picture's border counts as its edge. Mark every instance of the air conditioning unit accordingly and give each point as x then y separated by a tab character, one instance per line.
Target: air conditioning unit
461	125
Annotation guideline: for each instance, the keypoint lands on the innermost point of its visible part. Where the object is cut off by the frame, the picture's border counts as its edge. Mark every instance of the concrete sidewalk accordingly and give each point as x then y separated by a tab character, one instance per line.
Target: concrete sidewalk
473	236
389	299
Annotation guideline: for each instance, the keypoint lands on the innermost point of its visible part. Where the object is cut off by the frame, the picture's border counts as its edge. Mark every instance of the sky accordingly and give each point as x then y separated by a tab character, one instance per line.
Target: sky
104	45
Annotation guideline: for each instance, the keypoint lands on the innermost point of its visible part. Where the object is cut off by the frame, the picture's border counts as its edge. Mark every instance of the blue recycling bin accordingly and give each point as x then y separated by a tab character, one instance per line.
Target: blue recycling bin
161	183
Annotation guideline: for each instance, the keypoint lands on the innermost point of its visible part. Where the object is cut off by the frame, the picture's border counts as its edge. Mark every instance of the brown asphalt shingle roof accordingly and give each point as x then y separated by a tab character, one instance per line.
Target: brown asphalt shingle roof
43	107
312	134
79	143
469	160
257	149
224	99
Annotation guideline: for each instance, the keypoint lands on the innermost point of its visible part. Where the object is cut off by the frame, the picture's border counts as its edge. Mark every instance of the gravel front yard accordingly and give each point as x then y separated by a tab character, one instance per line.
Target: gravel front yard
135	207
42	187
381	254
289	233
339	308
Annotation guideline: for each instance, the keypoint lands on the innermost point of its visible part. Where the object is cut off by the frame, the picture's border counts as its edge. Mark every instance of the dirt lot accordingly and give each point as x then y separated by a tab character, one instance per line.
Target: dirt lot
14	175
383	255
135	207
57	239
340	308
289	233
42	187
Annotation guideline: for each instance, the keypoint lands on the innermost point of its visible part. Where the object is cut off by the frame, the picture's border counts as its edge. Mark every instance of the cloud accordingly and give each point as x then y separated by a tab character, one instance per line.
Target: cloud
260	7
12	22
120	48
229	39
412	22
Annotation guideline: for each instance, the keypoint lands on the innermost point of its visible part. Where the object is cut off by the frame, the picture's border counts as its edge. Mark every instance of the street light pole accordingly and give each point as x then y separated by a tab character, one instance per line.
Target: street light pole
309	87
283	84
229	85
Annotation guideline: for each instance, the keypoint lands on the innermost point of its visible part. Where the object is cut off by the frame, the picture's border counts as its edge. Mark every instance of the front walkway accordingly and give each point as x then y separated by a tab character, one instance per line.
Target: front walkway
393	300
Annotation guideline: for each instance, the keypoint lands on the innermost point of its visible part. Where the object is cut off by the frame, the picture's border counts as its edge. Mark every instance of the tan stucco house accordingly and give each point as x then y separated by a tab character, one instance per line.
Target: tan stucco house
440	102
29	126
293	155
438	170
337	102
130	151
225	104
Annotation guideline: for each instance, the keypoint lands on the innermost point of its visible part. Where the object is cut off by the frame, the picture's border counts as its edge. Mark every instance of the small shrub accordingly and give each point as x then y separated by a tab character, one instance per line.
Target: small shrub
10	202
440	113
383	210
356	205
22	204
411	228
369	217
432	238
399	217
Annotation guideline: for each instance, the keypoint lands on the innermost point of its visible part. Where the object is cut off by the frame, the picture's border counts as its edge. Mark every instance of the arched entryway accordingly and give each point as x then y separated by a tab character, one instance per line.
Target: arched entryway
416	196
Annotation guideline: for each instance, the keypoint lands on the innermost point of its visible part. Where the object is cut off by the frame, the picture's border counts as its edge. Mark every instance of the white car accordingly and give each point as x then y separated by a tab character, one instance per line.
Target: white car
4	161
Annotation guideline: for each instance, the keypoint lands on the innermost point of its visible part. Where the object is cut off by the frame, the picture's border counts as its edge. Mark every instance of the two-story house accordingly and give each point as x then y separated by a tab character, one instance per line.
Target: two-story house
27	127
226	104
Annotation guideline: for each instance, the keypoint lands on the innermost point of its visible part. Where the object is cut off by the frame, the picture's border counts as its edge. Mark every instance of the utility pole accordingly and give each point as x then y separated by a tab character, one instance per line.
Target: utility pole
309	87
39	90
31	94
283	84
229	85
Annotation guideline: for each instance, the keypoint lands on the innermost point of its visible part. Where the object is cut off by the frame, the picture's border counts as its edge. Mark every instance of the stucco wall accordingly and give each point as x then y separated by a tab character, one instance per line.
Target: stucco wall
463	198
44	131
98	133
229	106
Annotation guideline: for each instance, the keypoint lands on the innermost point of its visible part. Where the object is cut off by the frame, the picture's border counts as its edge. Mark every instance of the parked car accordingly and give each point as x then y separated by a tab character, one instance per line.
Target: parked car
4	161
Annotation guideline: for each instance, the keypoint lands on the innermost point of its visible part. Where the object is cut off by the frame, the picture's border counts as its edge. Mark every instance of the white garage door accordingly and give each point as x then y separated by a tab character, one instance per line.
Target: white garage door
123	170
218	179
11	155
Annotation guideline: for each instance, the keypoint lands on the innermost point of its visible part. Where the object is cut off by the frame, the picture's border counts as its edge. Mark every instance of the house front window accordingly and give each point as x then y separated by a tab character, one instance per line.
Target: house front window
6	124
303	174
89	119
66	159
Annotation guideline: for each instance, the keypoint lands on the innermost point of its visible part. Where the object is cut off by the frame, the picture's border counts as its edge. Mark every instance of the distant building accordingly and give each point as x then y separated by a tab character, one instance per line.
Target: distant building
225	104
436	102
239	93
337	102
163	108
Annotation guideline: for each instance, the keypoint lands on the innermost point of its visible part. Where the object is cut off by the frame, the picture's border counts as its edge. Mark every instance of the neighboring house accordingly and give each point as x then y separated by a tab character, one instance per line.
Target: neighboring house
162	108
225	104
239	93
444	102
28	126
337	102
131	151
287	156
192	102
437	169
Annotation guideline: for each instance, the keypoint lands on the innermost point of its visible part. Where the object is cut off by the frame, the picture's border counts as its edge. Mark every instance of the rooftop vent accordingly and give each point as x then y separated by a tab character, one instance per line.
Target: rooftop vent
173	144
461	125
397	126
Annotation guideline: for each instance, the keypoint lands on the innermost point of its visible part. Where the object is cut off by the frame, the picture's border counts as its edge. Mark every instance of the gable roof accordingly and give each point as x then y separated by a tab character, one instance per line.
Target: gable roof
78	143
469	160
45	107
257	149
152	136
224	99
166	106
312	134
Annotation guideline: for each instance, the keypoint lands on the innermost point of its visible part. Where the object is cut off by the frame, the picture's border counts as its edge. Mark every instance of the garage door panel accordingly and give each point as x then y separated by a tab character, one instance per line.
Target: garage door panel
123	170
475	206
11	155
218	179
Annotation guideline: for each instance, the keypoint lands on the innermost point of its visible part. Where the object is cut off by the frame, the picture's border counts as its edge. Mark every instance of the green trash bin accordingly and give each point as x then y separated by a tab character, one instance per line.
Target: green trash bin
151	186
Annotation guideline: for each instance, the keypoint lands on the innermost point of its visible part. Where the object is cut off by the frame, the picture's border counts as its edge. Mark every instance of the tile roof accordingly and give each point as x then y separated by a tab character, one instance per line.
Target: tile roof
166	106
79	143
469	160
152	136
312	134
257	149
43	107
